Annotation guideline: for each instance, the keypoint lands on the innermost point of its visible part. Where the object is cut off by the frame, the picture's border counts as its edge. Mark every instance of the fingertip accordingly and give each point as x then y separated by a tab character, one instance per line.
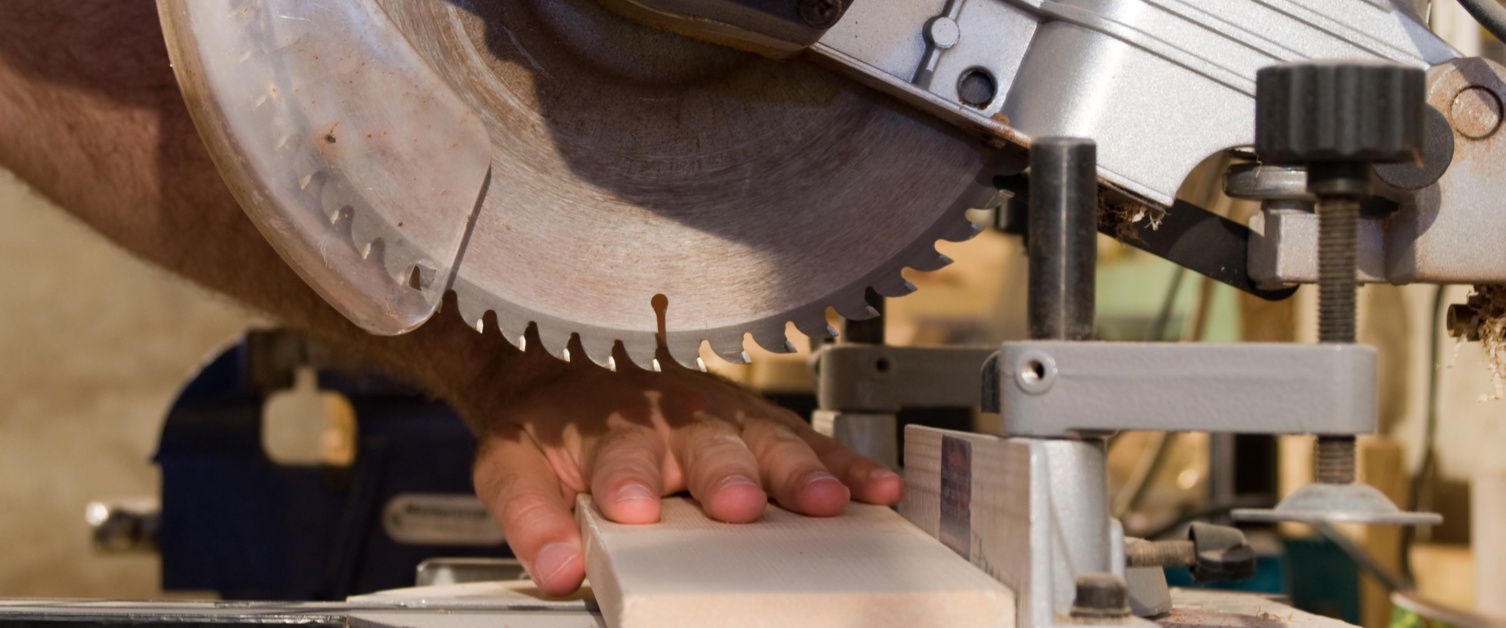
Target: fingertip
558	569
632	504
821	495
736	499
882	487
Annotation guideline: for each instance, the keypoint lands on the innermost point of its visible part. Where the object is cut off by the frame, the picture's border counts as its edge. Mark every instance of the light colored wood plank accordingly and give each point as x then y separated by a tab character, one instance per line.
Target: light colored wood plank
1446	573
990	499
868	567
1382	465
1488	511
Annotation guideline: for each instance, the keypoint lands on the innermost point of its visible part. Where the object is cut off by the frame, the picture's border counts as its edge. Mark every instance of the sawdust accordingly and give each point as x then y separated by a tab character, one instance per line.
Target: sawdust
1492	312
1126	217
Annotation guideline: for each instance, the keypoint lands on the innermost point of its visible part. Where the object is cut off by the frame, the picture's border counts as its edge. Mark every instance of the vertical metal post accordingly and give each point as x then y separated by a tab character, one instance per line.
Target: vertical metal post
1062	237
870	433
869	331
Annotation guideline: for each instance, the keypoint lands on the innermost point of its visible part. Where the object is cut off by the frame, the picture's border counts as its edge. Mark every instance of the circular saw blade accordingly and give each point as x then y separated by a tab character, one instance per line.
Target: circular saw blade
629	163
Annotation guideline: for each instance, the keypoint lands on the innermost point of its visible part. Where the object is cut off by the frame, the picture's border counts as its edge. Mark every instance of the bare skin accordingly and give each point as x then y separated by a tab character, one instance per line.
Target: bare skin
90	116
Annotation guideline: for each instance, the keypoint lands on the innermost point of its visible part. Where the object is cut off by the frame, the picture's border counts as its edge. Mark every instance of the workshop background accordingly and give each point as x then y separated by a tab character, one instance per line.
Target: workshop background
94	344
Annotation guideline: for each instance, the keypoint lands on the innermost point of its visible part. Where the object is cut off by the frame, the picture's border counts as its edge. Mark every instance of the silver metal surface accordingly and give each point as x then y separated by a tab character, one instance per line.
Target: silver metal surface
1169	78
1337	503
1452	231
873	435
885	379
1052	388
1267	182
1284	248
391	613
436	571
1445	232
1149	596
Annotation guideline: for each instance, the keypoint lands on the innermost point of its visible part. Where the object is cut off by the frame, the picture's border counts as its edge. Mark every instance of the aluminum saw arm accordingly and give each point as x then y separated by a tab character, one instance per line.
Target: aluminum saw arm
1161	85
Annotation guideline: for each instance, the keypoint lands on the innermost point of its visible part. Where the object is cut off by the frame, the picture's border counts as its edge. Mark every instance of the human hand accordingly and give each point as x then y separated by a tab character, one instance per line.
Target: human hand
631	436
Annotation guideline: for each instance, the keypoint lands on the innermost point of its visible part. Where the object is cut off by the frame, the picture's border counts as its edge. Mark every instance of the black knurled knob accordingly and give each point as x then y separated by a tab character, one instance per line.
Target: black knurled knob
1339	111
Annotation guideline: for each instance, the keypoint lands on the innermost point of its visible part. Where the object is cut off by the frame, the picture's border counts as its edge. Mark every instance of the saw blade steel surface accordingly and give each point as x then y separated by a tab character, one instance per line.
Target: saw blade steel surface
629	163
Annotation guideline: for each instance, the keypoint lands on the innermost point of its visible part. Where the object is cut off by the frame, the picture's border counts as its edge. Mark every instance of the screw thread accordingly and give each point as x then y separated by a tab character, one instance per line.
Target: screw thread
1334	459
1338	225
1159	553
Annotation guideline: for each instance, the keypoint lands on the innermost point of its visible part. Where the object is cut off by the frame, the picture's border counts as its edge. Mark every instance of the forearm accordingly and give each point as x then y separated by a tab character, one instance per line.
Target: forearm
91	116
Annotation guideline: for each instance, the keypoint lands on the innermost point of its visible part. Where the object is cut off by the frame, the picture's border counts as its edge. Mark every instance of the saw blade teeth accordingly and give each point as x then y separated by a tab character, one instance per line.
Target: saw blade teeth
854	307
931	261
641	351
687	352
894	288
774	341
599	352
513	331
729	348
554	342
820	331
472	313
962	231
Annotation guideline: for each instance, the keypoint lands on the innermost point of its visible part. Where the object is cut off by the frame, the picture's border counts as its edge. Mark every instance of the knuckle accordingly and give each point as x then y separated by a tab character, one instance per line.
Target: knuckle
526	508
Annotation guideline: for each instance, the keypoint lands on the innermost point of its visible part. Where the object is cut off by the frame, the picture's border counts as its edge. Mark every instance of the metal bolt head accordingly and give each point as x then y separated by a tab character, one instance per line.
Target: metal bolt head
1476	113
943	32
1101	596
820	14
1464	322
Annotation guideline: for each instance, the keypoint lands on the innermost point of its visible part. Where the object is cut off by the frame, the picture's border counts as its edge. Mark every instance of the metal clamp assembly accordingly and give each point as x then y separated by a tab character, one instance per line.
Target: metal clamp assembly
1058	388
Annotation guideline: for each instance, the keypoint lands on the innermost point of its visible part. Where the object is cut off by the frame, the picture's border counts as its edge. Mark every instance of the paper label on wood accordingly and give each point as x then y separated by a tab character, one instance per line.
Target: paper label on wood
957	495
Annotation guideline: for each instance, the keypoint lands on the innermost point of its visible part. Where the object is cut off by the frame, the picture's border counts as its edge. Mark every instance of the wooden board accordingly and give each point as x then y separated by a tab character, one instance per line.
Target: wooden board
868	567
990	498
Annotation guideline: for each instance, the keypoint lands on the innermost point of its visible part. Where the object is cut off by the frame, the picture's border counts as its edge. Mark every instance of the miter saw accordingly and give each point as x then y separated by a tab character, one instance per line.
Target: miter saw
632	181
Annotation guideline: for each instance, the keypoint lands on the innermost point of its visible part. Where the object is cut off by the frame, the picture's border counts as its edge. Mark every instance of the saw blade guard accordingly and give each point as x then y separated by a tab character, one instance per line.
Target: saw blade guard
333	140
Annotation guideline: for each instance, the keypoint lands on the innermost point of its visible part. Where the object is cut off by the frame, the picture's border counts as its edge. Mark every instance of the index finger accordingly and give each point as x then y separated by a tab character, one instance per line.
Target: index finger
514	479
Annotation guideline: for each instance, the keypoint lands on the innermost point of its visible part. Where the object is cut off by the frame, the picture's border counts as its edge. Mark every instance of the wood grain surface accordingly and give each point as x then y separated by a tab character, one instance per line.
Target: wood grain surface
867	567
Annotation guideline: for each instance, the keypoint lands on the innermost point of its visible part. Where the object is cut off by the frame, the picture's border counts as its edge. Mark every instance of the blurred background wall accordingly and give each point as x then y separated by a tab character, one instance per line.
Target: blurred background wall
93	346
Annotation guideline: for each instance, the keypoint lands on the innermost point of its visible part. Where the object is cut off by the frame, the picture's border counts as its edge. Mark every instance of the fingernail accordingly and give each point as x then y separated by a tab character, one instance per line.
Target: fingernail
819	476
635	493
551	560
735	480
880	474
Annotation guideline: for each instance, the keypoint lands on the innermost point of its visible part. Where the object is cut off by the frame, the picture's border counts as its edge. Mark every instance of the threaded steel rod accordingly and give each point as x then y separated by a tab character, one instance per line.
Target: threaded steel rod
1140	553
1338	225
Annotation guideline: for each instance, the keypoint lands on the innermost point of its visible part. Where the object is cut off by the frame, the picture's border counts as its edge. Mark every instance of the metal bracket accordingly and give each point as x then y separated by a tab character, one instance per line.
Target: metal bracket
882	379
1030	512
1054	388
